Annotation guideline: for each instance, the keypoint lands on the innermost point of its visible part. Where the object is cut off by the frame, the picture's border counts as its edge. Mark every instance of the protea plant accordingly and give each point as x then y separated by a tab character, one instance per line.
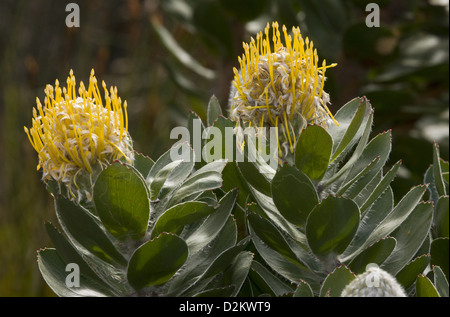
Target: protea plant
220	219
129	225
327	211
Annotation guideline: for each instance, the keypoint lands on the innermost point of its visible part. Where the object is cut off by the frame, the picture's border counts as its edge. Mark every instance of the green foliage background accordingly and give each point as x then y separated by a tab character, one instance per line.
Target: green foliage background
167	57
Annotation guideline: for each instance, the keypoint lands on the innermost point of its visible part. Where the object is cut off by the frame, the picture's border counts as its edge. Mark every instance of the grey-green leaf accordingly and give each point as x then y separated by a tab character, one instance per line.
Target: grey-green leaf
85	231
53	270
214	110
409	237
212	226
437	171
440	281
267	281
441	220
350	131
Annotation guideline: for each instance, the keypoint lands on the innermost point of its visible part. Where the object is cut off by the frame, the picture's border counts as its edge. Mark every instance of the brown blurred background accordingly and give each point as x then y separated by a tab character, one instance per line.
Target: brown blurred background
168	57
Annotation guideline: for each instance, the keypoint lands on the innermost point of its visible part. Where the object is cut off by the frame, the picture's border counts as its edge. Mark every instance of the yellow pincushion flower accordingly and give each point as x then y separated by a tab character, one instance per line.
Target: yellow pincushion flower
279	84
77	136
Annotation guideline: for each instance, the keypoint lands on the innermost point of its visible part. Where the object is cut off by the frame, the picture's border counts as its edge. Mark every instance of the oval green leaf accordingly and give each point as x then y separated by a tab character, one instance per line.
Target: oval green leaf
122	201
331	226
336	281
174	219
425	288
313	151
294	194
156	261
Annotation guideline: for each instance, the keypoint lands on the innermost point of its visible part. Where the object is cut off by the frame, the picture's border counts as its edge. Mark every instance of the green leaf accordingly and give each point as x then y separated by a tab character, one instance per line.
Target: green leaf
85	231
163	166
143	164
381	187
409	237
353	187
344	116
425	288
294	194
161	177
440	282
370	219
437	171
266	281
313	151
363	139
335	282
69	253
156	261
226	291
122	202
331	226
351	130
175	218
389	223
206	178
197	264
376	153
376	253
218	266
441	220
214	110
232	179
249	171
196	129
303	290
270	235
53	270
440	254
429	180
176	176
236	273
211	227
267	206
291	271
407	276
445	170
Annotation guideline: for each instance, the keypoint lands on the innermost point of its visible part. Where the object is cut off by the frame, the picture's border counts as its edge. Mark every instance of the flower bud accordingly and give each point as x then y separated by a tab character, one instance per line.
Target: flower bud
76	136
374	282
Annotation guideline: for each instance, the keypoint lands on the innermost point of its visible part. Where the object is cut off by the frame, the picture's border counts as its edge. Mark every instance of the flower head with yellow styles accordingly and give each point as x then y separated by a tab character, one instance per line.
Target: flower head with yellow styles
280	84
76	136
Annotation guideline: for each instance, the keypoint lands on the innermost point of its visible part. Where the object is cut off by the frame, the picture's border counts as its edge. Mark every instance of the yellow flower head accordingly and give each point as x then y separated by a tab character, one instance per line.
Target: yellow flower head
77	136
279	84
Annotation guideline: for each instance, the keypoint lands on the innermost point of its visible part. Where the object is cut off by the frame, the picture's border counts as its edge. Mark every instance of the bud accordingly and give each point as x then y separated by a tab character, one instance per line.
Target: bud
374	282
77	136
280	85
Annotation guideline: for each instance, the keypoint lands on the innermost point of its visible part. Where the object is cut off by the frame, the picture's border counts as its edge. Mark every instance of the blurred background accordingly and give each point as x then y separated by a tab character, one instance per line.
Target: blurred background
168	57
